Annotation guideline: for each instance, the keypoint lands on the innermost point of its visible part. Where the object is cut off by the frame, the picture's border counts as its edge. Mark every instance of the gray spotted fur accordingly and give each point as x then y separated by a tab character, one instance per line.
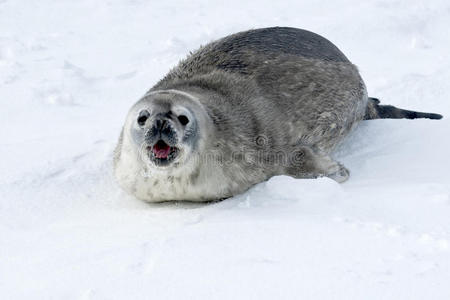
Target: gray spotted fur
291	88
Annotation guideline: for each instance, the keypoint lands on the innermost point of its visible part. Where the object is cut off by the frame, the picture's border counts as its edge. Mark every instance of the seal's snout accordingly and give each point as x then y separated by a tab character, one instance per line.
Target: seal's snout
162	140
161	129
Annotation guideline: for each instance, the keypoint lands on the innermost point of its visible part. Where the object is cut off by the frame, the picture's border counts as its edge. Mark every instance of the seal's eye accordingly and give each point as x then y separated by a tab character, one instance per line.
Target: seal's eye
183	119
143	116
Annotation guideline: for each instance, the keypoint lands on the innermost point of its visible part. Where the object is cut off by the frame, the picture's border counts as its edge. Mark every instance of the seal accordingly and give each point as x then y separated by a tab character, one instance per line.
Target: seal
244	108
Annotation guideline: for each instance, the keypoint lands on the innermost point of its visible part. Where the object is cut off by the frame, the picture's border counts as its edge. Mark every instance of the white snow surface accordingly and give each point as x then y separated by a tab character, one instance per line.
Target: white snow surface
69	72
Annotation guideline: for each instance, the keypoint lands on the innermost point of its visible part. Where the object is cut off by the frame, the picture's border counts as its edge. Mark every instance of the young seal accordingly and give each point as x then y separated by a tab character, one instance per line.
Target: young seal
240	110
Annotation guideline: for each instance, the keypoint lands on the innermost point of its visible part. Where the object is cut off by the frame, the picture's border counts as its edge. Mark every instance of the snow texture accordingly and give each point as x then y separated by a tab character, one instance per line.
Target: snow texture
70	70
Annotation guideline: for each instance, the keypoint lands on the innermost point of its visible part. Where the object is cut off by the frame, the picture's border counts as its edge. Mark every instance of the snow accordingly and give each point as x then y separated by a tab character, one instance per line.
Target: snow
69	71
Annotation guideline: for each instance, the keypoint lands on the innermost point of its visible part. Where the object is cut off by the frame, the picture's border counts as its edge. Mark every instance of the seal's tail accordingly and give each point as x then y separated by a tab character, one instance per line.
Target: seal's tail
376	111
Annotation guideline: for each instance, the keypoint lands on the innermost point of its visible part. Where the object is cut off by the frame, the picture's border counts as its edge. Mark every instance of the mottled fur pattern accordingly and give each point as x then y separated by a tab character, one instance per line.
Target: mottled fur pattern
274	74
269	91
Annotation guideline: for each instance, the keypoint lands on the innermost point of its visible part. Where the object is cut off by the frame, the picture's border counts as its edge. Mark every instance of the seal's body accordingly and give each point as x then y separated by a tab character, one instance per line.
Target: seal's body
240	110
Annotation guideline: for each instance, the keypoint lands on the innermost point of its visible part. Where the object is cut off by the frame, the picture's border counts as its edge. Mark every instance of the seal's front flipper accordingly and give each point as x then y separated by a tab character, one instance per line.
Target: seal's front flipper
313	165
338	173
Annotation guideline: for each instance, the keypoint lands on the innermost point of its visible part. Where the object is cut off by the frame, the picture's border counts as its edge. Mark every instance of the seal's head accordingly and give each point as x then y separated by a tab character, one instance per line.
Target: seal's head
164	130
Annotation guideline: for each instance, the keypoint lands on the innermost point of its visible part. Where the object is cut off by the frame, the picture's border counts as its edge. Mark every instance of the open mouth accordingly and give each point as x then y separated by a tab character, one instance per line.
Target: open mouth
162	153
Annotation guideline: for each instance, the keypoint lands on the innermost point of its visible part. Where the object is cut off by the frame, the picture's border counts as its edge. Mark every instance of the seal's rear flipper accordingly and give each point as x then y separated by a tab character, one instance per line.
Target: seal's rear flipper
376	111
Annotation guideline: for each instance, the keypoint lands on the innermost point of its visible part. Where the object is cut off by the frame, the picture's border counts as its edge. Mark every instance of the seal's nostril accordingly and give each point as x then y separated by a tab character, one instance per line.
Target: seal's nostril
160	124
